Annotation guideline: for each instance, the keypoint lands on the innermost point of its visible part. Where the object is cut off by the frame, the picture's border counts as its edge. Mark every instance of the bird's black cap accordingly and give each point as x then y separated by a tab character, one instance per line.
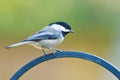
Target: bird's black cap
64	24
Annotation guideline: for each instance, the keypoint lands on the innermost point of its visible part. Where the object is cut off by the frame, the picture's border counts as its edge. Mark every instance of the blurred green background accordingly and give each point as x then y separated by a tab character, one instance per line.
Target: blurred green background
96	26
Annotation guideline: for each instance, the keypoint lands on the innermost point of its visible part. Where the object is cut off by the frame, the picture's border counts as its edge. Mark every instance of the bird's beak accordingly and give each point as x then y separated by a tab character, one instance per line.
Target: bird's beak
71	31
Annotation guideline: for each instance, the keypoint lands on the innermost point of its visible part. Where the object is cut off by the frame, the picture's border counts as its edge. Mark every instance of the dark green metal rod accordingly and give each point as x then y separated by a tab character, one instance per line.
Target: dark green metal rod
67	54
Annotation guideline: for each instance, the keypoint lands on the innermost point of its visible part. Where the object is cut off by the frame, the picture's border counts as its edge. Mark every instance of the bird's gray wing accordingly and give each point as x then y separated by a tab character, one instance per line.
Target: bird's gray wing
43	35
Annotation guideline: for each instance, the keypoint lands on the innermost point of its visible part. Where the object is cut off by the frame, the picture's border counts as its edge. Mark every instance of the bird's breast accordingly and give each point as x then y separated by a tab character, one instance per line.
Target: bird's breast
49	43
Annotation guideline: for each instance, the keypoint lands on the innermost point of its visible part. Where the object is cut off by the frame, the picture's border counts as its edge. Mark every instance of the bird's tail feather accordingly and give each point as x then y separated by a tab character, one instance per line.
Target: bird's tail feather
17	44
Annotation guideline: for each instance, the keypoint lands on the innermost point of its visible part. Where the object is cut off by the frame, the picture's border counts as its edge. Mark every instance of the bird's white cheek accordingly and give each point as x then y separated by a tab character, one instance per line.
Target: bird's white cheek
49	43
59	28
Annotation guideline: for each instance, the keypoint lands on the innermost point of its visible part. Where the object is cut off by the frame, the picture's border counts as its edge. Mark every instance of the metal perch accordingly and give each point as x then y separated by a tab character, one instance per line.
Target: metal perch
67	54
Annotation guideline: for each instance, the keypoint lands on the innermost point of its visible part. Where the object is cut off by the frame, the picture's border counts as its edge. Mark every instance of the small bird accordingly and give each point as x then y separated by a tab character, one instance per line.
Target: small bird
48	37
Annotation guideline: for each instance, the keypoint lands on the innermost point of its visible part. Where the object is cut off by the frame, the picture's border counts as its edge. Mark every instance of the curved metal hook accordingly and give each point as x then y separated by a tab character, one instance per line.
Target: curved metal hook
67	54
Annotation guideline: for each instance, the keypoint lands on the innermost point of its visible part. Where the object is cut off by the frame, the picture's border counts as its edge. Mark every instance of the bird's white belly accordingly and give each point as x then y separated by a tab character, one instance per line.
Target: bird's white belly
49	43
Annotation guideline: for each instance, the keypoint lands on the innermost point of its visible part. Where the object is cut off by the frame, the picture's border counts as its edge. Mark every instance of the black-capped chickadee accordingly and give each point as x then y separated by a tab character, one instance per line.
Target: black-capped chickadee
48	37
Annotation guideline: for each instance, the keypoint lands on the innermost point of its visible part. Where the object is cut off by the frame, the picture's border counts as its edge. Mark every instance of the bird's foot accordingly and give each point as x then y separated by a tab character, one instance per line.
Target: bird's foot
44	52
55	50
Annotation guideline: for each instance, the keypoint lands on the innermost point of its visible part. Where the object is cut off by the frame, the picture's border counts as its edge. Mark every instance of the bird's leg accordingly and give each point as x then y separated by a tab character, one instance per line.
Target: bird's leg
44	52
55	50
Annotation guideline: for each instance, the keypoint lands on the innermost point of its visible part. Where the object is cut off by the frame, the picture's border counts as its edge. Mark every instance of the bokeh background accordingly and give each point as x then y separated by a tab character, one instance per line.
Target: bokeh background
96	31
